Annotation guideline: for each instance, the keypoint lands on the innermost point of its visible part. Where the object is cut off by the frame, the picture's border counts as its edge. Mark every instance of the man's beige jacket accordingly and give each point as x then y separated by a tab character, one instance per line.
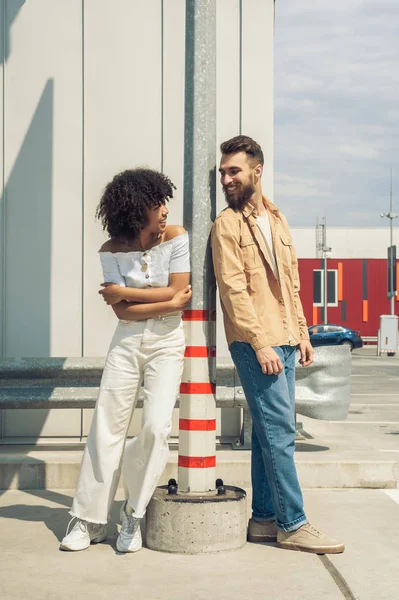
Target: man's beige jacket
258	307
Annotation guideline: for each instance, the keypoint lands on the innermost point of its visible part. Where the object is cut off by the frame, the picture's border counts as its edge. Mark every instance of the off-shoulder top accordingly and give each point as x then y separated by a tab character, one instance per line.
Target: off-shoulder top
128	269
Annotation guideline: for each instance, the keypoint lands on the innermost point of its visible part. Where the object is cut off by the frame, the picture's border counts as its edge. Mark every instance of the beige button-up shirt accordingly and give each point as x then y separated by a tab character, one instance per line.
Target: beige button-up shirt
258	307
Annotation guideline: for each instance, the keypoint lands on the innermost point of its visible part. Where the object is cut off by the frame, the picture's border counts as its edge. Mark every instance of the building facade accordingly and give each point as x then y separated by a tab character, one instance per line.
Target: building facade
357	277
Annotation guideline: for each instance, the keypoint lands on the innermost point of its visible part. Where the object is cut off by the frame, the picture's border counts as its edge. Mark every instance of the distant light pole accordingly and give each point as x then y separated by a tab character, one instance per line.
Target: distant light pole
391	216
324	252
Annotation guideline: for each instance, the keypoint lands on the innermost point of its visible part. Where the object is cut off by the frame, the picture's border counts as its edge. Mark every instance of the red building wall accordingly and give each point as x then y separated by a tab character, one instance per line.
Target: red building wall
364	293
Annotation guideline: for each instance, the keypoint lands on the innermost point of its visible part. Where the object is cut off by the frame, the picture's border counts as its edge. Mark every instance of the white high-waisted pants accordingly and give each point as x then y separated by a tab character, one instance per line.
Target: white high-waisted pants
151	351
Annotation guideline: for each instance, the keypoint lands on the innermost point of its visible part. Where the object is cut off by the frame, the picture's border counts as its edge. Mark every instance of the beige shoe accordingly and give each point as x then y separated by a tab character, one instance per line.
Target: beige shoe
262	531
308	539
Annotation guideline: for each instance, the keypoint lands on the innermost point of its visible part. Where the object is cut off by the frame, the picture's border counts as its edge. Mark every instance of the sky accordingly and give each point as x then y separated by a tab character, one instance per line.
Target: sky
336	110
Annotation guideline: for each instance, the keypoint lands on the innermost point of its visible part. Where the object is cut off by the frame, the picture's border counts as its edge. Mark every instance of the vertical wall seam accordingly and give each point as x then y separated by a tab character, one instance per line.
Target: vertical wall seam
240	70
162	84
83	183
3	215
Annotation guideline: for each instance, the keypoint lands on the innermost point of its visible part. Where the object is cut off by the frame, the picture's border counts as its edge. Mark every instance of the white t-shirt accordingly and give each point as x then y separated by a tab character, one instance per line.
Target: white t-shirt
126	268
264	226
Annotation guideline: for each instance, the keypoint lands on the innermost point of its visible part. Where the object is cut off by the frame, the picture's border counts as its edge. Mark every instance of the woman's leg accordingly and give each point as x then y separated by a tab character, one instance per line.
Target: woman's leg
120	384
145	456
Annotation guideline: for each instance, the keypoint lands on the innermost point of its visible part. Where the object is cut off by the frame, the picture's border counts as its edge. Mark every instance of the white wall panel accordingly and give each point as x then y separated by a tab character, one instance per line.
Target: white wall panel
174	14
257	80
228	85
228	108
43	178
122	122
2	198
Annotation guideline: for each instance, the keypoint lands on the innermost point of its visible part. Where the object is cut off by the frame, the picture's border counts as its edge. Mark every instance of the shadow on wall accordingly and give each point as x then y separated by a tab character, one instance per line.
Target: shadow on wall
26	206
10	9
28	211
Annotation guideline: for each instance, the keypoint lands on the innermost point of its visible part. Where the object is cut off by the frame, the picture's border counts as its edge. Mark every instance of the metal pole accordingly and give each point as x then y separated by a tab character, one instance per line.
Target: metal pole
391	216
391	235
325	288
325	273
197	425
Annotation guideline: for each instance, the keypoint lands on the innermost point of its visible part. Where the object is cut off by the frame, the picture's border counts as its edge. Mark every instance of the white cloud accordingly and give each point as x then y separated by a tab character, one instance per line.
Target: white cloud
300	186
358	151
336	98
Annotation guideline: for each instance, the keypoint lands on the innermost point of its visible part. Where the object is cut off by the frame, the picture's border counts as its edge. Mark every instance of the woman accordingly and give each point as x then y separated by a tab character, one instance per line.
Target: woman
146	274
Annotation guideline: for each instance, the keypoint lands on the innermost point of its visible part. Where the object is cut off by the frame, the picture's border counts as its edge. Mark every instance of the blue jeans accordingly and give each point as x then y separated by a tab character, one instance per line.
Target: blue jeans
271	400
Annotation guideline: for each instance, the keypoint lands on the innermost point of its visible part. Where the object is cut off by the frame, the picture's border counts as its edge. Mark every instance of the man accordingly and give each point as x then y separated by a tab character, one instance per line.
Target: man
257	274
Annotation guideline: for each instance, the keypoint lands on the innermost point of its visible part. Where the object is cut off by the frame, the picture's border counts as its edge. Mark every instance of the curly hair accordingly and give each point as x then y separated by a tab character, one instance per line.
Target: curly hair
124	205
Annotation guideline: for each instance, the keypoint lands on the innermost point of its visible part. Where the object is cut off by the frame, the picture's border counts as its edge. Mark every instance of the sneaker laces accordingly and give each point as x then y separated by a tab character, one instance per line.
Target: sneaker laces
313	529
132	524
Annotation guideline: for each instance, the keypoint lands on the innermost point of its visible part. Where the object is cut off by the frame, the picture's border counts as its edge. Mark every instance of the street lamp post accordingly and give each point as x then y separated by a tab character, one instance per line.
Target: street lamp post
391	216
325	250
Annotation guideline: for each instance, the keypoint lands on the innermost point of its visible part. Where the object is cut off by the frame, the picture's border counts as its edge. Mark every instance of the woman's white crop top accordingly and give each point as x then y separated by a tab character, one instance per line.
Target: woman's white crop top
128	269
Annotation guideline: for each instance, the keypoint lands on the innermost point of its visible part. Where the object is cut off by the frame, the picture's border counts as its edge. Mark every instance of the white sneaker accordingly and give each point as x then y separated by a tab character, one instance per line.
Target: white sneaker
82	535
129	538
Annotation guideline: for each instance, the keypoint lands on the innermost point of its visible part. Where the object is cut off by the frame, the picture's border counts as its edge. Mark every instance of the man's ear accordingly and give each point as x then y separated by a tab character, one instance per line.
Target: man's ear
258	171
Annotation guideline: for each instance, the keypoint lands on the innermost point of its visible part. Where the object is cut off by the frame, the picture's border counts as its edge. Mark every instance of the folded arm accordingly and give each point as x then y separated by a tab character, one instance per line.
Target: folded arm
153	302
137	312
113	293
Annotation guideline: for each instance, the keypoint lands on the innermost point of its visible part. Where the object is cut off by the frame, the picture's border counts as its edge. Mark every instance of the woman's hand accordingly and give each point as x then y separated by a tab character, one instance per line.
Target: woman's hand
181	298
111	293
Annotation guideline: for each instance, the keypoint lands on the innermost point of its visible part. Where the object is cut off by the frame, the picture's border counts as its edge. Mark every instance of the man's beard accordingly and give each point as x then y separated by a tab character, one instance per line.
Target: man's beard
240	200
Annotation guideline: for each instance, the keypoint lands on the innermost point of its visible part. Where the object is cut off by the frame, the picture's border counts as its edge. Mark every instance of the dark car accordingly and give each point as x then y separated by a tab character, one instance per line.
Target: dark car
332	335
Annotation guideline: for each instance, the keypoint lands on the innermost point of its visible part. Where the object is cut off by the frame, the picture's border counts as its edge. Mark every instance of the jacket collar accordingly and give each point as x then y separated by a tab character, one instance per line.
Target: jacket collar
249	209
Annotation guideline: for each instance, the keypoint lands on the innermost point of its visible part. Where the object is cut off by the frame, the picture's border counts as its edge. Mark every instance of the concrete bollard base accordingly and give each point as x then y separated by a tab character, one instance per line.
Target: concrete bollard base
196	524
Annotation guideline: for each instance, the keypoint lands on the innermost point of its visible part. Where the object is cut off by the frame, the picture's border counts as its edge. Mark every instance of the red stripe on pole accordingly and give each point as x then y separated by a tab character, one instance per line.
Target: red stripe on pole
197	462
197	424
195	315
197	388
199	352
198	315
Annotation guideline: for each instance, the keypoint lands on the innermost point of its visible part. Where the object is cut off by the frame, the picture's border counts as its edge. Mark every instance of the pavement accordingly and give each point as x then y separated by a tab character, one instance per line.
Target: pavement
32	566
354	455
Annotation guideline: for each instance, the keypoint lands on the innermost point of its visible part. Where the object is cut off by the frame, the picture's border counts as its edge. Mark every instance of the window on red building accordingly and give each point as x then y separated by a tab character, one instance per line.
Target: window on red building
332	287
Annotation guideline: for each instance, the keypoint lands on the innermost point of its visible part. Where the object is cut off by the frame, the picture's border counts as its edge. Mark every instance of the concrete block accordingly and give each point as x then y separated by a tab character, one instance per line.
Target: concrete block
196	524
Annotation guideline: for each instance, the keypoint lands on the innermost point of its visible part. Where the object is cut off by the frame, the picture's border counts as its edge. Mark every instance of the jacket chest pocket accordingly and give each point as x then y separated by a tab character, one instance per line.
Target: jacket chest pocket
250	251
286	250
